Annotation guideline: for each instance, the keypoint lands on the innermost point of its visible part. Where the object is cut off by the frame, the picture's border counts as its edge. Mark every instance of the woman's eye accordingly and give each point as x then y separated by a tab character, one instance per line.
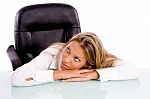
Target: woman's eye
68	50
77	59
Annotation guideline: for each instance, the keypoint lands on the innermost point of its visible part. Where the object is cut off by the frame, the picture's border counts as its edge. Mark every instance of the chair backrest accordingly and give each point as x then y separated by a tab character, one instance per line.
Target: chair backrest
38	26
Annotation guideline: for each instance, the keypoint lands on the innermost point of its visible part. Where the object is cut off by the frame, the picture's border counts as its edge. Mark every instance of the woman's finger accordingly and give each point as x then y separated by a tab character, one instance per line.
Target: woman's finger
75	79
84	71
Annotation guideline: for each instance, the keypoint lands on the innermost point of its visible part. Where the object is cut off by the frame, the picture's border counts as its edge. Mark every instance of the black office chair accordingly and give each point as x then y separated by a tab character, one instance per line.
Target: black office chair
37	26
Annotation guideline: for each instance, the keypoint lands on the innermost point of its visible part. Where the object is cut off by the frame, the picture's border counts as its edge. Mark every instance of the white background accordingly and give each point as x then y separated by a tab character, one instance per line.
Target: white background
122	25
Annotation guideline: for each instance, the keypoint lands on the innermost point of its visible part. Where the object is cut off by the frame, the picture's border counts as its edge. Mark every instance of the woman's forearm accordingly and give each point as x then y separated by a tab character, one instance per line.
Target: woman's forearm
71	74
65	74
57	74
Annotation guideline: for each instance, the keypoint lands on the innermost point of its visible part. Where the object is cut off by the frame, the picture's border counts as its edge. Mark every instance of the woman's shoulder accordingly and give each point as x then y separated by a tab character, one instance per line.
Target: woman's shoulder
50	50
119	62
58	45
53	49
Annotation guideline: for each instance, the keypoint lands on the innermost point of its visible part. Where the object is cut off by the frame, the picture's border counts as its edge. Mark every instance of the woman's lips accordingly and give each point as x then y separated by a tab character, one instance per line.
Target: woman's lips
64	66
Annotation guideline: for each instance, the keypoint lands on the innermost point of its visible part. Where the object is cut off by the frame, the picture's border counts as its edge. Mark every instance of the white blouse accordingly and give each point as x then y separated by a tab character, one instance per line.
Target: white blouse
41	70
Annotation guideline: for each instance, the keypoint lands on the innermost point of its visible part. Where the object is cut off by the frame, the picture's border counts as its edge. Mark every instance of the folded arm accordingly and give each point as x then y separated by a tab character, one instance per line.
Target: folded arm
121	70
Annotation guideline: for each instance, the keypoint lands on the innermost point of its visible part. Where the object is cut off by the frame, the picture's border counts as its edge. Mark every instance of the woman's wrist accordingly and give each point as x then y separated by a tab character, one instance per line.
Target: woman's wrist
96	75
57	74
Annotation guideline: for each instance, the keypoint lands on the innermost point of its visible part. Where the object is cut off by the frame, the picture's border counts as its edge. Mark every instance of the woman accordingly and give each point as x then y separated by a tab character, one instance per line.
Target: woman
82	58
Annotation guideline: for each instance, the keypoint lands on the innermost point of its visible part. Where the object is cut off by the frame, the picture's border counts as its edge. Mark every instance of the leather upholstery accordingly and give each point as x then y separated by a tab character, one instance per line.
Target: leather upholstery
38	26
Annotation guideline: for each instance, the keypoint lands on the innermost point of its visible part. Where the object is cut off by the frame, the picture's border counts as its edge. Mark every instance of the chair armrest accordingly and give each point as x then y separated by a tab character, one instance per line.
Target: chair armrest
14	58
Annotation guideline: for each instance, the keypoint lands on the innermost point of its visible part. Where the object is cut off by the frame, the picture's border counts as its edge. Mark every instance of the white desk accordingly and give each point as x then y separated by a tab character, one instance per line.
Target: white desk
129	89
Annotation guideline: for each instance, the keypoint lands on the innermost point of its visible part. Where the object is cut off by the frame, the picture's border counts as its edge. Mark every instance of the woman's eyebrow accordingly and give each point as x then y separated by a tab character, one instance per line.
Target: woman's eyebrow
79	57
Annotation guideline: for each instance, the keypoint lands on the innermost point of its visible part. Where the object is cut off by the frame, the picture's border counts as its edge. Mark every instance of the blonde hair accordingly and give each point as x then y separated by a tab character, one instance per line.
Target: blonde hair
96	54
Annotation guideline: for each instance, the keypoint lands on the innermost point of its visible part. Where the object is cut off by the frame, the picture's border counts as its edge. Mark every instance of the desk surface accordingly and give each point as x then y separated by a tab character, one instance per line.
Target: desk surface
129	89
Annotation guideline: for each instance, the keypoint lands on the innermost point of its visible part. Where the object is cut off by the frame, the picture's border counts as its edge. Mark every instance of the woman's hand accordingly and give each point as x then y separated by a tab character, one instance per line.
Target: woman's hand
76	75
66	74
84	76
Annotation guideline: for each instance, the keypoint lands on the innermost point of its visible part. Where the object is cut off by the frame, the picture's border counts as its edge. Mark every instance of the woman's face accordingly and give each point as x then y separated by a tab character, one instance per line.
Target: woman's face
73	56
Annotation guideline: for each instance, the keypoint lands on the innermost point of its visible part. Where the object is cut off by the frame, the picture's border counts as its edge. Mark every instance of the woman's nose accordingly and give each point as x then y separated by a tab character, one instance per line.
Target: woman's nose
67	59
